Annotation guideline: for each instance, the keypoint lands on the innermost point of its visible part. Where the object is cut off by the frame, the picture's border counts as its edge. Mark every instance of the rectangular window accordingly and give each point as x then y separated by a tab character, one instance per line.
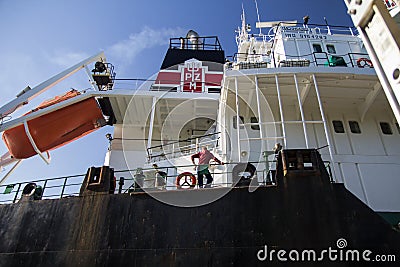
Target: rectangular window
338	126
385	127
331	49
254	126
354	127
241	120
317	48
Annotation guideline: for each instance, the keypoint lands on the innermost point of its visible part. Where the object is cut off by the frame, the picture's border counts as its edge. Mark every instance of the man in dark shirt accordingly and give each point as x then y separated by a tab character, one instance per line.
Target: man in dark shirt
161	177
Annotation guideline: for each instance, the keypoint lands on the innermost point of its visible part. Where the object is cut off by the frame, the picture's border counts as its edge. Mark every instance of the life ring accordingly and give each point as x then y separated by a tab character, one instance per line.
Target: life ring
363	62
189	180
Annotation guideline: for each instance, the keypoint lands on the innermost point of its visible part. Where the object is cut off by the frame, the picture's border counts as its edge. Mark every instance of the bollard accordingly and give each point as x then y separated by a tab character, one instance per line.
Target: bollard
121	184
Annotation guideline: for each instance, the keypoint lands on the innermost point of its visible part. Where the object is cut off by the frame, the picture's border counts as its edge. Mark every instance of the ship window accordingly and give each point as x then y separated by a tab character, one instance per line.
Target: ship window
338	126
354	127
317	48
331	49
235	124
254	126
398	127
214	90
385	127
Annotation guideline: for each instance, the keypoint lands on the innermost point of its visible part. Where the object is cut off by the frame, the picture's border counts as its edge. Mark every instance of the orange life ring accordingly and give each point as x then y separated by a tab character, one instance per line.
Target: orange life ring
189	180
363	62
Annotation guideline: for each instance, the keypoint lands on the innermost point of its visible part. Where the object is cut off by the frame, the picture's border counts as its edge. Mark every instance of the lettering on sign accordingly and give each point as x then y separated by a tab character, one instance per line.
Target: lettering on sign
193	77
305	36
294	29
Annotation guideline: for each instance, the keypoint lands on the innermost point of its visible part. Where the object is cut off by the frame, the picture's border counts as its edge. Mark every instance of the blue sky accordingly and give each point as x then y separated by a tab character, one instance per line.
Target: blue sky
41	38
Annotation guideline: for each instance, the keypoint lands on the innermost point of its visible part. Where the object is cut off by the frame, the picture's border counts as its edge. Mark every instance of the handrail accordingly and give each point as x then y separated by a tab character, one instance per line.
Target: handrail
149	149
316	60
185	140
62	185
351	29
202	43
263	172
183	150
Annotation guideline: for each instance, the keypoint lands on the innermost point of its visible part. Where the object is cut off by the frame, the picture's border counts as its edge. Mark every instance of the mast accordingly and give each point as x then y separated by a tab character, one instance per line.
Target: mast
243	34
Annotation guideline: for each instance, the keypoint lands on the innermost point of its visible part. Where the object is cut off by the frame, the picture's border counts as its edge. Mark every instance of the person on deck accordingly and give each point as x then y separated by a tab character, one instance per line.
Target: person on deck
204	157
161	178
305	21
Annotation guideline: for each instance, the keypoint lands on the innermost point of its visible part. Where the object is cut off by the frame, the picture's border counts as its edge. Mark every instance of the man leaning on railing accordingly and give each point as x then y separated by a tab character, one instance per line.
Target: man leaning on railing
204	157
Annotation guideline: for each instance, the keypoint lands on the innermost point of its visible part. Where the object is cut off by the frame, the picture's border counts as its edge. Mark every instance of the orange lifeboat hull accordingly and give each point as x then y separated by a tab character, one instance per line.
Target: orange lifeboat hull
55	129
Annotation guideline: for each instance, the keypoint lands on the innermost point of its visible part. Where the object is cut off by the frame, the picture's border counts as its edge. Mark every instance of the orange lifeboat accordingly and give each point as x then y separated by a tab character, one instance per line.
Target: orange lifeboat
54	129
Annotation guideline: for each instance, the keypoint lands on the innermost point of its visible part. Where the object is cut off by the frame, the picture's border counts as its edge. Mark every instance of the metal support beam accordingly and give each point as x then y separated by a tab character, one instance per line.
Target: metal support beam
369	100
222	118
304	93
249	105
303	96
301	110
153	110
237	117
28	95
278	90
7	159
260	119
92	82
13	168
326	129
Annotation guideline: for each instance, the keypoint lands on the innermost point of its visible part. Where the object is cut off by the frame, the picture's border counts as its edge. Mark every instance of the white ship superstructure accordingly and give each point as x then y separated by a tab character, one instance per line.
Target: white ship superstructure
299	86
313	86
303	86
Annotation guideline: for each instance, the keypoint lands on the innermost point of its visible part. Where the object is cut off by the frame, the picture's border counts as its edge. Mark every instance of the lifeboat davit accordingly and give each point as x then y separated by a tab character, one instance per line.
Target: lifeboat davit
54	129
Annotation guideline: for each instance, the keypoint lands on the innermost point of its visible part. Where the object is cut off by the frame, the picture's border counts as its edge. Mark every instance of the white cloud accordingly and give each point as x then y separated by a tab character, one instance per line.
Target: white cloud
127	50
67	59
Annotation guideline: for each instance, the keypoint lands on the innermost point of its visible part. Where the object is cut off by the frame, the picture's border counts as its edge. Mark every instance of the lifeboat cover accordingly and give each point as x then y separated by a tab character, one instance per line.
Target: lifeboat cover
55	129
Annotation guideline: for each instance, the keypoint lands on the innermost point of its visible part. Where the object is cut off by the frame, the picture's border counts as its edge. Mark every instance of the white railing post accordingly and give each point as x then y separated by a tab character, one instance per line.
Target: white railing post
325	125
237	117
278	90
301	110
153	110
259	113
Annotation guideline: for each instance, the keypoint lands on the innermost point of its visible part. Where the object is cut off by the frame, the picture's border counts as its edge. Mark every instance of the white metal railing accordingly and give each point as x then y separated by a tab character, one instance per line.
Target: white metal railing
175	150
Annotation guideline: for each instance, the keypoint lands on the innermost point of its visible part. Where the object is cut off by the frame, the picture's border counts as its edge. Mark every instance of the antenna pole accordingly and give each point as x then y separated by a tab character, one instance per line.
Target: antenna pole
258	15
327	25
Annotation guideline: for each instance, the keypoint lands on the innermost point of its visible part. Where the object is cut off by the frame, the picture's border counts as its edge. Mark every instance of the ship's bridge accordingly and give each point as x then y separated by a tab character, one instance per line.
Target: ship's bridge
290	44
